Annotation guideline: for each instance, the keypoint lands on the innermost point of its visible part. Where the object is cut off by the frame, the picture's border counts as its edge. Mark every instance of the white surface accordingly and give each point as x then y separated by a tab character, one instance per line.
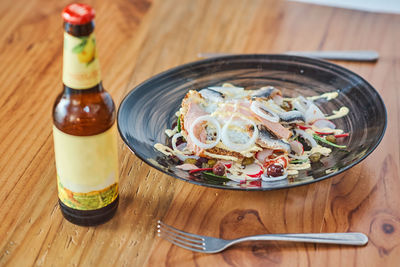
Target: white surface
382	6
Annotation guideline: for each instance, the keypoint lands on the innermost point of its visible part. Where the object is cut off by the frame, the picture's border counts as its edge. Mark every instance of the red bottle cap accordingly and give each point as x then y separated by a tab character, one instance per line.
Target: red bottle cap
78	14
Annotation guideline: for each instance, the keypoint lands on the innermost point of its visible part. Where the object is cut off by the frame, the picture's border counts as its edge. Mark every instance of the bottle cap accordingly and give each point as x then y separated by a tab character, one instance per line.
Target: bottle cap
78	14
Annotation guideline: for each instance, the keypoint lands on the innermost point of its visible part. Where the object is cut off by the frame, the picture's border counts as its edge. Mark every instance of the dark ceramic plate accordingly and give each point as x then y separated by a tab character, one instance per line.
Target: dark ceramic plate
149	109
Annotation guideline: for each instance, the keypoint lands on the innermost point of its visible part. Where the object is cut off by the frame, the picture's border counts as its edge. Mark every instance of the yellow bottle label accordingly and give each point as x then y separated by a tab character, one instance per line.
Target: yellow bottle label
81	68
87	169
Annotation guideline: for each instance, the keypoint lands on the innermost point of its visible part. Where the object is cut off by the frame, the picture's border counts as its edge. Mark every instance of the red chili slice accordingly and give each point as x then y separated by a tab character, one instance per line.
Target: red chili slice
302	127
342	135
201	169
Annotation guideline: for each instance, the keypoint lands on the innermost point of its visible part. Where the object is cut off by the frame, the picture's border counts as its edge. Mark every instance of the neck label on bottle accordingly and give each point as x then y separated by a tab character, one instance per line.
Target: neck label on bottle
81	68
87	168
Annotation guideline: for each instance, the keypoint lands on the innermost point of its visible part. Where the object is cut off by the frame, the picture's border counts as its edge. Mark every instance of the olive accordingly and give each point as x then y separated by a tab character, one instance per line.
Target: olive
331	138
315	157
306	146
200	161
247	161
219	169
211	162
275	170
190	161
203	160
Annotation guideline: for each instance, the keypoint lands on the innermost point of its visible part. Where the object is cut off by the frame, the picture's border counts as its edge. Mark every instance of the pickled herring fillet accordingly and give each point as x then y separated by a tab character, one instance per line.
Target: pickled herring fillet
275	127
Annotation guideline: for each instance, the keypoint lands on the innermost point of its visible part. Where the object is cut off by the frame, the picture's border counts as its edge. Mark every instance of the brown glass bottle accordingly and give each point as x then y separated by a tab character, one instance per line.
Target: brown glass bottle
82	116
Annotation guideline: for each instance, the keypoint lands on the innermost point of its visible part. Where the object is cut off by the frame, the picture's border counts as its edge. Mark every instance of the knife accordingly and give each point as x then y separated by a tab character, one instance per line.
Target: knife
351	55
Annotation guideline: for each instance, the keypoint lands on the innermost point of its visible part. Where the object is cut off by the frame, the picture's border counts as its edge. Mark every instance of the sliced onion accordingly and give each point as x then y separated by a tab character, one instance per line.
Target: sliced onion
237	146
305	102
187	167
324	123
278	99
236	178
267	178
299	105
275	108
240	178
313	113
174	139
262	155
196	141
181	146
308	137
230	92
259	109
297	147
253	170
229	89
177	148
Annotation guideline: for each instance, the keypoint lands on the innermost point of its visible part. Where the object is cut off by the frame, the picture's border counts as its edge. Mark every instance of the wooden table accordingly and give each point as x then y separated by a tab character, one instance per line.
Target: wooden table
137	39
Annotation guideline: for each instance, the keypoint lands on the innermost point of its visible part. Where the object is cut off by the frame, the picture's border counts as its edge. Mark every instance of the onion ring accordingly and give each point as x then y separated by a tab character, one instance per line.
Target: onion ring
260	111
196	141
235	146
307	136
182	156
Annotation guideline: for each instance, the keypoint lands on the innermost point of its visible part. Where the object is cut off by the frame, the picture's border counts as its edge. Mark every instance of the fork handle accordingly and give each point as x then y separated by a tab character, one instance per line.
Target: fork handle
357	239
355	55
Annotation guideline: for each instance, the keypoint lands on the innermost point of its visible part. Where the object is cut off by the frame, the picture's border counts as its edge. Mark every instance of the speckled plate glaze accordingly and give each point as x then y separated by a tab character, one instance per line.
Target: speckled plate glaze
149	109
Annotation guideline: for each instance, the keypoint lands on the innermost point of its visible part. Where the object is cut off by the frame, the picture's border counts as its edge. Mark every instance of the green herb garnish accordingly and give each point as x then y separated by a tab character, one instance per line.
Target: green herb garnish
295	161
212	175
179	124
319	138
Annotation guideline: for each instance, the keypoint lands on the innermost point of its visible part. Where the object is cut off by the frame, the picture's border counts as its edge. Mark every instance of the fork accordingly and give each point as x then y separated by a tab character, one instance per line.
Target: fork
208	244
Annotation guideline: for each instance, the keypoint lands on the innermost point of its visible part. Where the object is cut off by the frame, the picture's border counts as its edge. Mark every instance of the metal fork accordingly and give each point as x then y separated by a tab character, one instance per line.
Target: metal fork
208	244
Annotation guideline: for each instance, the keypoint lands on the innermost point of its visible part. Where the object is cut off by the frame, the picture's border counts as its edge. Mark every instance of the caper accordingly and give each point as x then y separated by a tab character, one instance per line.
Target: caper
315	157
190	161
247	161
286	106
211	162
331	138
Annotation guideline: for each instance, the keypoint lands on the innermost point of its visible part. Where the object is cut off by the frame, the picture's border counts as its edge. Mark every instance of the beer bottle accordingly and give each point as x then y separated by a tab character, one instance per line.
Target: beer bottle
84	130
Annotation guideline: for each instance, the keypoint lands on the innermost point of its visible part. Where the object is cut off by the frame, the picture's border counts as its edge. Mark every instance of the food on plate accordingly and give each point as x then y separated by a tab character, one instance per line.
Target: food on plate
242	135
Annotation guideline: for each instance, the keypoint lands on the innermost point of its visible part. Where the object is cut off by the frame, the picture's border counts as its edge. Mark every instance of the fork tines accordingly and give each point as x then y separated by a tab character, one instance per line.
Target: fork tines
180	238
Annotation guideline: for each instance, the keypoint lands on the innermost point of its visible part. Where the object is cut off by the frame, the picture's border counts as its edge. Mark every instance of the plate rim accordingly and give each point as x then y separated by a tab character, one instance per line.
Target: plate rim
299	59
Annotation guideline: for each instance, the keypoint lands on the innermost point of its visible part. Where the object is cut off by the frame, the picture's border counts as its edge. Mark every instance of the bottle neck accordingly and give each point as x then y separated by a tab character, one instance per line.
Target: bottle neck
95	89
81	68
79	30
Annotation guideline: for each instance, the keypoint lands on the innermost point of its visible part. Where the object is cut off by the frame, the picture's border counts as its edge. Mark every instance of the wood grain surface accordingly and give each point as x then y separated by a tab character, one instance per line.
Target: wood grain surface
137	39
